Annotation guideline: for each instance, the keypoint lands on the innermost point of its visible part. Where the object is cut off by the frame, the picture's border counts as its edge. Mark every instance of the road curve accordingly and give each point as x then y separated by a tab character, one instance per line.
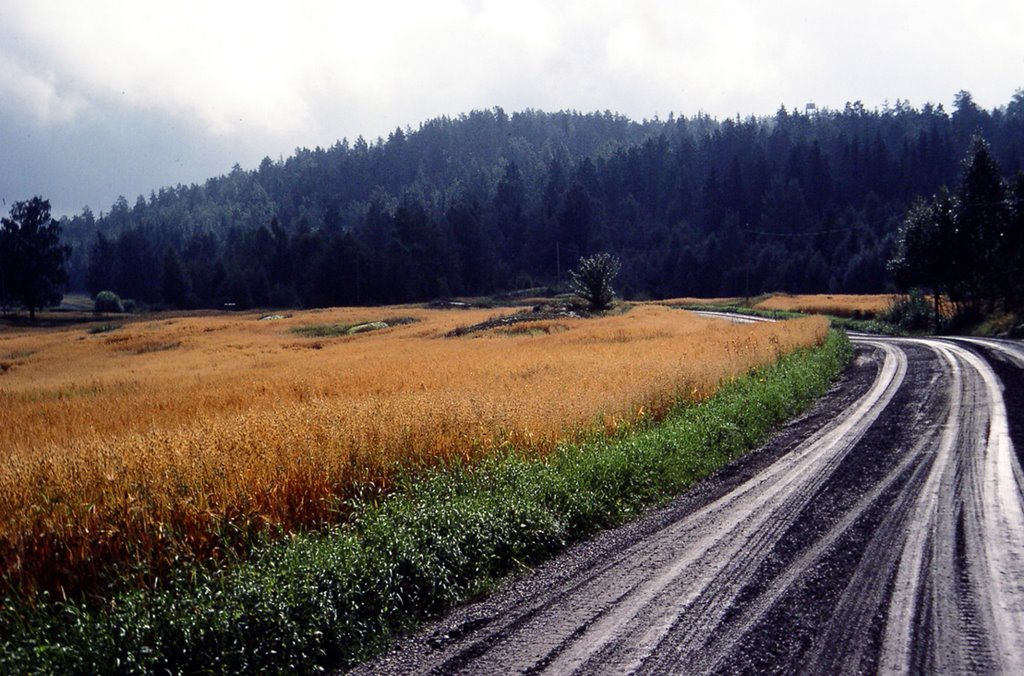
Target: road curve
883	531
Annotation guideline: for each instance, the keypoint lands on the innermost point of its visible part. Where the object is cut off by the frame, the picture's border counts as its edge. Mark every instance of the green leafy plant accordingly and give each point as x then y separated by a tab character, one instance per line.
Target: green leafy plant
336	330
108	301
104	328
592	281
911	313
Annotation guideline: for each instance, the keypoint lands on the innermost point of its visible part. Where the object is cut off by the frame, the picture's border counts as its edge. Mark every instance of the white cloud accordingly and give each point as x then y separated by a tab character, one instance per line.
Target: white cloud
305	67
217	62
37	93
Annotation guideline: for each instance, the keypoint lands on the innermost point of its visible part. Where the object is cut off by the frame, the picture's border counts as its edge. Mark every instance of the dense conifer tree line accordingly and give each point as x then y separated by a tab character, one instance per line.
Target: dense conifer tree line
803	201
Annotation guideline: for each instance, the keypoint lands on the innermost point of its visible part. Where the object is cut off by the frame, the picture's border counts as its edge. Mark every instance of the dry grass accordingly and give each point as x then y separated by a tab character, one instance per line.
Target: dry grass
182	437
857	306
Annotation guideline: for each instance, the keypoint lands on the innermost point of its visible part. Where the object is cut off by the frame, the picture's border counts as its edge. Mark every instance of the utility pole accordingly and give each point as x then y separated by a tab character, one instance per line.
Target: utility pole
357	277
558	262
746	259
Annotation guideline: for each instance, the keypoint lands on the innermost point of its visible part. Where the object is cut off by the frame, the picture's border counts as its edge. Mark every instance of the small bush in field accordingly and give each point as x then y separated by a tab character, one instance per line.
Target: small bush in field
593	280
108	301
911	313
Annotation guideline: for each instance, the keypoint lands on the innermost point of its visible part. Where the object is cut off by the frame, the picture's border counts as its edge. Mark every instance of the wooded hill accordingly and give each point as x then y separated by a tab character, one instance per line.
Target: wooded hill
804	201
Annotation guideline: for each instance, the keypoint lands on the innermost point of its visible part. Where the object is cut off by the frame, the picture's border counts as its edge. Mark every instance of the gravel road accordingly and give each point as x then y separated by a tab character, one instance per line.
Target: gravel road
882	531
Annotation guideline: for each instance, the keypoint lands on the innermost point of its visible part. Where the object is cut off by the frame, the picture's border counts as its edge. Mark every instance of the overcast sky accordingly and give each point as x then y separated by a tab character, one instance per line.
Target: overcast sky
101	98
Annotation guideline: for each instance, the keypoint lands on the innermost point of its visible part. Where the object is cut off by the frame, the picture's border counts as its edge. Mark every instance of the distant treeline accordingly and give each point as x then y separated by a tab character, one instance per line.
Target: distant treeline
804	201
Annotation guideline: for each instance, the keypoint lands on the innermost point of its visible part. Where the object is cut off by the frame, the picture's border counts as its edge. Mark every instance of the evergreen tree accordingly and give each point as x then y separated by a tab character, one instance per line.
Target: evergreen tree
592	280
963	246
982	220
100	270
32	258
174	285
1012	261
925	253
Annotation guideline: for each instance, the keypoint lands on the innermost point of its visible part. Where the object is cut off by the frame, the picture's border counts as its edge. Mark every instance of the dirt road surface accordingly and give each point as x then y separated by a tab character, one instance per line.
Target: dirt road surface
881	532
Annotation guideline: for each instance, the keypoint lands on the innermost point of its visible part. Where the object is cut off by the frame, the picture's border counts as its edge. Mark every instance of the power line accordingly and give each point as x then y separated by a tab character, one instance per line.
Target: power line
809	233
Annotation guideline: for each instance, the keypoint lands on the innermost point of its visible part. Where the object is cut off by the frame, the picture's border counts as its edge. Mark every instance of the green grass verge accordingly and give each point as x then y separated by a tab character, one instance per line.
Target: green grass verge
330	599
104	328
336	330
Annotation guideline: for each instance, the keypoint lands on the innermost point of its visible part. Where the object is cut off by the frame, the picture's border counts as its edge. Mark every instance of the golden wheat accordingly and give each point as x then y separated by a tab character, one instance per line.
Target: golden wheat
839	305
183	436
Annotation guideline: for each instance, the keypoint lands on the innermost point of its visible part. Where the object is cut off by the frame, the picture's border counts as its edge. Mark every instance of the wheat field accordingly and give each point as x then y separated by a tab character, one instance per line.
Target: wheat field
839	305
128	447
863	306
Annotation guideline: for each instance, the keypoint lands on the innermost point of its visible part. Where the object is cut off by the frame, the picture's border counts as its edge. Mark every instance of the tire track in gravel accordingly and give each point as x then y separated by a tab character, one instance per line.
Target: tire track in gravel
724	542
882	532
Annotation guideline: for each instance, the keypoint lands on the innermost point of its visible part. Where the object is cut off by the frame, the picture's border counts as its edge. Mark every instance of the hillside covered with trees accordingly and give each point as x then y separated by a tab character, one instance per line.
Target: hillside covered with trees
804	201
